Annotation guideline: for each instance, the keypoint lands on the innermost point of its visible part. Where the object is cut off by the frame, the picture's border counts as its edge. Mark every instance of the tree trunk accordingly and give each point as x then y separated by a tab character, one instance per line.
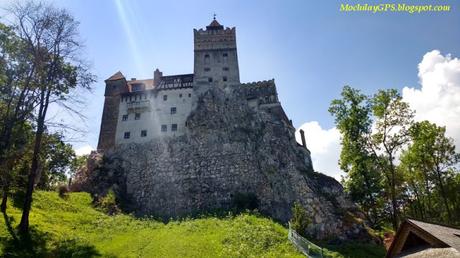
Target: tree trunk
443	193
4	199
393	195
24	225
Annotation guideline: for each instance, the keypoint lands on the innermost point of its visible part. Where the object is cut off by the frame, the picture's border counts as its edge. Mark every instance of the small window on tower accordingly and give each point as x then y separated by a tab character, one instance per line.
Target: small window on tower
127	135
207	69
206	59
125	117
224	78
225	56
164	128
174	127
137	116
190	95
225	68
143	133
165	97
180	95
173	110
210	79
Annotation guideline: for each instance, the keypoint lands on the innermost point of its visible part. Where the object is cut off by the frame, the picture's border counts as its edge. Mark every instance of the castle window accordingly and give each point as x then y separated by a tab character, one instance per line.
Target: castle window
174	127
165	97
206	59
136	87
173	110
190	95
210	79
225	55
180	95
224	78
225	68
207	69
124	118
137	116
127	135
143	133
164	128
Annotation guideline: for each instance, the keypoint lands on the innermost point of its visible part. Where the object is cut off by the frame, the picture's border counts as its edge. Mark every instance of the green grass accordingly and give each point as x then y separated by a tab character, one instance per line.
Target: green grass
73	228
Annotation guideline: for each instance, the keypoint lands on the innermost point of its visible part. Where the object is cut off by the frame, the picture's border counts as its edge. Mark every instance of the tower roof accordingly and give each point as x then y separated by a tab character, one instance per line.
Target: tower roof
214	25
117	76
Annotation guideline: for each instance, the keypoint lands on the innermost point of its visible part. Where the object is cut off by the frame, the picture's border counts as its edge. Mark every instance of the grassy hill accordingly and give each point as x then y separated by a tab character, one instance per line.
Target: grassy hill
73	228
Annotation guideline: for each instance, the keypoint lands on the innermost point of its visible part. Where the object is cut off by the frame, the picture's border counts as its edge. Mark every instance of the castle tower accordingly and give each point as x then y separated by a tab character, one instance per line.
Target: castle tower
216	60
114	86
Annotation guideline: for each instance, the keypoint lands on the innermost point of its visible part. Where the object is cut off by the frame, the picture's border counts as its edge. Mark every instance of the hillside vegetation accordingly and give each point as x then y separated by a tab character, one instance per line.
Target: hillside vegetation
73	228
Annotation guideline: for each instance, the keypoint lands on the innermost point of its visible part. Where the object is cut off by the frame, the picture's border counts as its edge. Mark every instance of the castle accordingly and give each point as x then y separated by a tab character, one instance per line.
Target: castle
137	111
188	144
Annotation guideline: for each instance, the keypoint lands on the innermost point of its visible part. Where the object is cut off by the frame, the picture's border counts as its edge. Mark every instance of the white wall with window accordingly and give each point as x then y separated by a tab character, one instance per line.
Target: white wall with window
148	115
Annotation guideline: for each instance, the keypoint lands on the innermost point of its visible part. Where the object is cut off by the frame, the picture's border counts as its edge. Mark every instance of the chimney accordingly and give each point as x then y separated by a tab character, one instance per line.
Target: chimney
302	136
157	77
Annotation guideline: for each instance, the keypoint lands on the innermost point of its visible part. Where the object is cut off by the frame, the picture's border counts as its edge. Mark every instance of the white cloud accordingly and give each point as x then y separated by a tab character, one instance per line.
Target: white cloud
83	150
324	145
438	99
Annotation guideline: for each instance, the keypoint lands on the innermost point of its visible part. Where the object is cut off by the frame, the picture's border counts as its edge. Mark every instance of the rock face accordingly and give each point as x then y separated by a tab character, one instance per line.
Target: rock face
231	148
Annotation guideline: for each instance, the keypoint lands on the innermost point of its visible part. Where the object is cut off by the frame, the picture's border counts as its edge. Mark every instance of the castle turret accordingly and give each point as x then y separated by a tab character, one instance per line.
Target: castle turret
216	60
114	86
157	77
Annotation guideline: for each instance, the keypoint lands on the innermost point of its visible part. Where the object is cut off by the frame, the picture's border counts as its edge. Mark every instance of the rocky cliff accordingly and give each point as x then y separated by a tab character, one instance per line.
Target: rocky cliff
230	150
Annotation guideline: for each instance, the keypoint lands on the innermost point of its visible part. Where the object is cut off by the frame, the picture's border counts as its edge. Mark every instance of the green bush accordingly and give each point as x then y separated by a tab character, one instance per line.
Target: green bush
108	203
300	219
63	191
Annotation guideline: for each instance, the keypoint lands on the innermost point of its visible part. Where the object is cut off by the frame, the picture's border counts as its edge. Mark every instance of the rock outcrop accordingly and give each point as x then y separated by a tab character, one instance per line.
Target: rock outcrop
230	149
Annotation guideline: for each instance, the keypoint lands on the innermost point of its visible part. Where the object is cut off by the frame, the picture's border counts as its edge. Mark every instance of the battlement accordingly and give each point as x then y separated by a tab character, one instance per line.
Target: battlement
259	84
214	37
259	89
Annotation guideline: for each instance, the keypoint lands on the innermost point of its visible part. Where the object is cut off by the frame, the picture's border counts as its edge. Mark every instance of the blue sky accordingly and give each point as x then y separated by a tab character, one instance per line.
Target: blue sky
310	48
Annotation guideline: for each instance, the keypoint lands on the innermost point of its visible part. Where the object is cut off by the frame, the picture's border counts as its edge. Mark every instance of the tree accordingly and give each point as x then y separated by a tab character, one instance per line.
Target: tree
51	38
363	182
430	160
393	118
57	158
373	130
17	101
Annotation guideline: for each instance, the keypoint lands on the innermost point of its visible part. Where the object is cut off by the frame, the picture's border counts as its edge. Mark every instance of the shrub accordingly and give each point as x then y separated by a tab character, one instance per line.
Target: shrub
300	219
108	203
63	191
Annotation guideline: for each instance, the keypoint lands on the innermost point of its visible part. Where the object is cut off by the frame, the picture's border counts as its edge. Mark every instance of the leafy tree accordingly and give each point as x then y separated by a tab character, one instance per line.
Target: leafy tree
17	100
50	36
374	129
58	159
364	181
429	163
393	118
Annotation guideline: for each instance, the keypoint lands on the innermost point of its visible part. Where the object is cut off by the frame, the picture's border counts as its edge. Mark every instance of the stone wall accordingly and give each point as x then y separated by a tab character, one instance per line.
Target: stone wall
229	149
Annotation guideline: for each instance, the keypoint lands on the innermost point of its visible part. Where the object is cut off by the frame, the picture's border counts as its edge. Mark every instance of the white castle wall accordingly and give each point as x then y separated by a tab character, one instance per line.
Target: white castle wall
154	112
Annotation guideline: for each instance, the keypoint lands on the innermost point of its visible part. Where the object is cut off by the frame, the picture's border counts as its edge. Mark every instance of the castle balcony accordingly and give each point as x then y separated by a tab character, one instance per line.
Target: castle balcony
139	106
